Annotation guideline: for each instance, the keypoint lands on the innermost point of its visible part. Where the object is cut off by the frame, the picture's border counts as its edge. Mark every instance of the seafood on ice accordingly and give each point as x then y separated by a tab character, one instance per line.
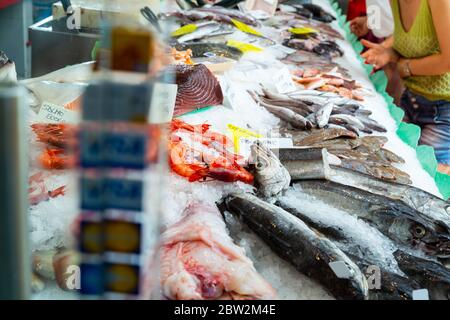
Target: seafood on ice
200	261
7	69
38	191
197	88
197	153
182	57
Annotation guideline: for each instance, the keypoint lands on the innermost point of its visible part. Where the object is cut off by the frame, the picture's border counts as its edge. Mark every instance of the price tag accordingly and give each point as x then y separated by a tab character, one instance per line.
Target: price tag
246	28
341	269
244	47
420	294
302	30
271	143
52	113
239	133
189	28
283	81
162	105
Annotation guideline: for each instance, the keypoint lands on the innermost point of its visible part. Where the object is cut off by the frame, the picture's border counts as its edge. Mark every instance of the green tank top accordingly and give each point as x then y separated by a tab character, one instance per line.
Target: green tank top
420	41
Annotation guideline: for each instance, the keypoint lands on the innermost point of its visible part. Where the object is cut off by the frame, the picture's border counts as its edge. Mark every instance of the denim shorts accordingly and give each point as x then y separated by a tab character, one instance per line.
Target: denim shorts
434	119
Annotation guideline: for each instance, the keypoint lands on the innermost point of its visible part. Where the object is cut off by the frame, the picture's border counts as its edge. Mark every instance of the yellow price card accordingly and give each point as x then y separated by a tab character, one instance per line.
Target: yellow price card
245	28
302	30
189	28
239	133
244	47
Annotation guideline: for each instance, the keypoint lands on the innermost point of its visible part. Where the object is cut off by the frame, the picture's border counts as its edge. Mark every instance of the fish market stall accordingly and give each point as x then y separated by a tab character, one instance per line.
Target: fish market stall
286	178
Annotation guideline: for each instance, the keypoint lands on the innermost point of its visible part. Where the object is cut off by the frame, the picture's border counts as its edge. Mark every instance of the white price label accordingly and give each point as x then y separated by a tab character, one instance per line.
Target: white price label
341	269
272	143
283	81
52	113
163	102
420	294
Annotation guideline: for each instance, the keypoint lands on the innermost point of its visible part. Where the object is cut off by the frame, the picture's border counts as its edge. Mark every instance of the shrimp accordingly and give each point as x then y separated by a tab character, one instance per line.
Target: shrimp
180	165
55	159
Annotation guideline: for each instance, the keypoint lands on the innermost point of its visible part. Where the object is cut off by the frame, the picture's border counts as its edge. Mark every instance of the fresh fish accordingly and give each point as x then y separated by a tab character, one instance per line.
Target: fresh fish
312	163
363	244
7	69
323	115
309	251
206	30
393	218
271	176
372	124
200	261
418	199
295	119
324	135
365	165
232	13
197	88
347	119
431	274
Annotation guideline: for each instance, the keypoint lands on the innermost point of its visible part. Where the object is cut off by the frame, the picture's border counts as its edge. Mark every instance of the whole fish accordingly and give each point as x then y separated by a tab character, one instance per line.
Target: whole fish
199	261
206	30
348	119
431	274
323	115
324	135
364	245
270	175
418	199
309	251
399	222
295	119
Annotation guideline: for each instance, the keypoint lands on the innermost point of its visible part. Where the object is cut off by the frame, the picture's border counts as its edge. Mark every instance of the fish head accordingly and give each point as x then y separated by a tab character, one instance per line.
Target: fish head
7	69
270	175
431	237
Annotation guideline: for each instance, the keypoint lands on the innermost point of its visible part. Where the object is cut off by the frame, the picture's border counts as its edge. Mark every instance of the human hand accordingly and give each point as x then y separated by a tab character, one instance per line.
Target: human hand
378	55
359	26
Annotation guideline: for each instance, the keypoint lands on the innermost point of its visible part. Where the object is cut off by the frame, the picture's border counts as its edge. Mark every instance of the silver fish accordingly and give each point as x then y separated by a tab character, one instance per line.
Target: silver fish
270	175
309	251
323	115
348	119
202	31
397	221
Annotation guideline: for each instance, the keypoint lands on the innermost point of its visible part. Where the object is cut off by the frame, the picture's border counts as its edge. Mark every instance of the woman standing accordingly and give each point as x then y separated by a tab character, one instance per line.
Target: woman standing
421	48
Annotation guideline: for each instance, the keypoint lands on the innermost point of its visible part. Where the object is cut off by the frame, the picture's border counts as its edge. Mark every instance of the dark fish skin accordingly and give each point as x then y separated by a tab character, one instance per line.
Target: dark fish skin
309	251
420	200
393	218
392	287
430	274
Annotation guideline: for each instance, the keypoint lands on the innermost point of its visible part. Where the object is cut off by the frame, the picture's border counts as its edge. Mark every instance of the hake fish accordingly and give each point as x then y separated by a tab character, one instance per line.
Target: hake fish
271	176
309	251
323	115
399	222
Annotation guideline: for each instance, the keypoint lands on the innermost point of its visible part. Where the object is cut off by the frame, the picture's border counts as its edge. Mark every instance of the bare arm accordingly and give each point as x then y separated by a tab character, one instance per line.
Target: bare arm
439	63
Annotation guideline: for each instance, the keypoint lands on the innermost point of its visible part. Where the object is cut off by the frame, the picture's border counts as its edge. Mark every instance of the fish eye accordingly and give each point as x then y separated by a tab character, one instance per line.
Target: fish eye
419	231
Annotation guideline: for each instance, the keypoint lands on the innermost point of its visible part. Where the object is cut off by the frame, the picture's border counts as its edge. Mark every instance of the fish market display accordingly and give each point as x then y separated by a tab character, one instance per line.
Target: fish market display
205	30
7	69
315	43
310	252
197	88
328	82
197	154
200	261
213	13
319	196
399	222
312	11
